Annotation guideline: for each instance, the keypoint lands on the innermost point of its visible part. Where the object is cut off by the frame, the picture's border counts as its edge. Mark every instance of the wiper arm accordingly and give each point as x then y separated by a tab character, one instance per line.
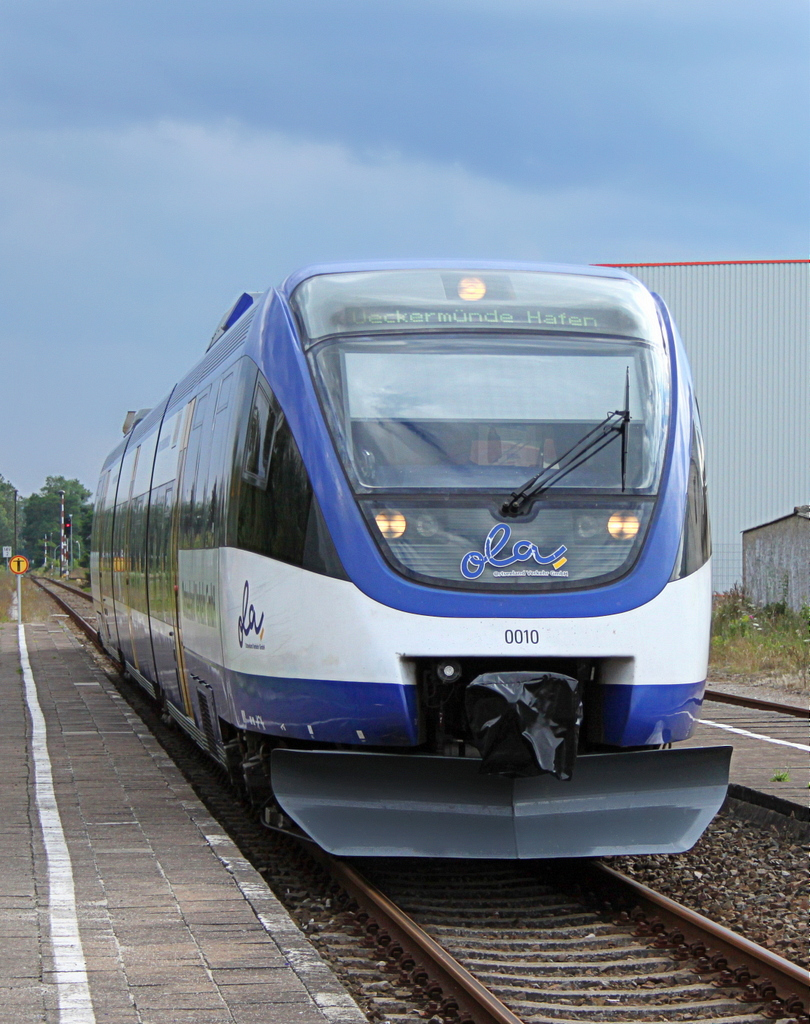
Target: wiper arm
623	428
614	424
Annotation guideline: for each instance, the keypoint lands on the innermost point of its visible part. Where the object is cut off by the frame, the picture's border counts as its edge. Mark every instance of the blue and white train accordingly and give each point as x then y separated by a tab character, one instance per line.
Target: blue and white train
411	535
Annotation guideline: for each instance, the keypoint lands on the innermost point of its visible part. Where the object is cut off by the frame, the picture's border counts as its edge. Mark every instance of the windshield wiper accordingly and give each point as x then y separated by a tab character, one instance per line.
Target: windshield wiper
612	426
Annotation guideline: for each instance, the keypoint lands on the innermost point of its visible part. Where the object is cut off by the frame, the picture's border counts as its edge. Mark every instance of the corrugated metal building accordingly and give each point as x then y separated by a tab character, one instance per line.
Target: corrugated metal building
746	327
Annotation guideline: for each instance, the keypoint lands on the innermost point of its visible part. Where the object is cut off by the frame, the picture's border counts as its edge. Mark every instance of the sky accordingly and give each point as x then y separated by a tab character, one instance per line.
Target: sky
156	160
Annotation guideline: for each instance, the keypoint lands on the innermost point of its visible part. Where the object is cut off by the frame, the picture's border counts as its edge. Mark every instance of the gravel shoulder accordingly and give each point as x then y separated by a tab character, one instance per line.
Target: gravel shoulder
784	689
752	878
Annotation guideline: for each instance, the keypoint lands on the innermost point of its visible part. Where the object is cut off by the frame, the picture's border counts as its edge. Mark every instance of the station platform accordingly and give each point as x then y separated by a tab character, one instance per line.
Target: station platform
771	750
121	900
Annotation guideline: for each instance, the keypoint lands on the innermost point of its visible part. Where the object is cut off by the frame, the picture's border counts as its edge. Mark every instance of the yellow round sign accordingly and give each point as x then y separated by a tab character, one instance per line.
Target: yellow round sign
18	564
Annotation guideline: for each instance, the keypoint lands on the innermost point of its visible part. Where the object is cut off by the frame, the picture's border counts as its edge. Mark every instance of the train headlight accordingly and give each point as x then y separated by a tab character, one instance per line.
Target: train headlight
391	524
623	525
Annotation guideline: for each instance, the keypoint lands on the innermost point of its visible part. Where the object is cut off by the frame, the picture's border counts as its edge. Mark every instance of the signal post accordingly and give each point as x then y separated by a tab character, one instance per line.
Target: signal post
19	566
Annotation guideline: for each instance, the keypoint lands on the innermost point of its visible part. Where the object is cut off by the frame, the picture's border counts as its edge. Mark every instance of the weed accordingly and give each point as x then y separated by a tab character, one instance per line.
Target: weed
37	606
782	775
747	640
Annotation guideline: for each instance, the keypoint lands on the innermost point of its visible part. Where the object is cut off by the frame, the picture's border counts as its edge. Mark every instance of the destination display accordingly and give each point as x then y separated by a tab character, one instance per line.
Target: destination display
514	316
423	300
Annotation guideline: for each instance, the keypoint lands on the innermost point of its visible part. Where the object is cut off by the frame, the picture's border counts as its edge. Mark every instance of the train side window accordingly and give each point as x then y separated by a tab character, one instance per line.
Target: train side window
214	491
195	469
178	419
99	543
273	510
199	409
258	443
696	536
161	592
275	495
224	394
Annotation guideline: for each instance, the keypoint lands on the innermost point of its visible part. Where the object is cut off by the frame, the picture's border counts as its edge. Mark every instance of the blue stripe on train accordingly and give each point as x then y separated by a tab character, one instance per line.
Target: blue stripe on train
326	710
634	716
329	711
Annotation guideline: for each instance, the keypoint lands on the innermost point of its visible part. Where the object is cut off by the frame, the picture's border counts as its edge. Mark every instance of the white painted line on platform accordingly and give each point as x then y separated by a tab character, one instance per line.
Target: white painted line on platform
756	735
75	1005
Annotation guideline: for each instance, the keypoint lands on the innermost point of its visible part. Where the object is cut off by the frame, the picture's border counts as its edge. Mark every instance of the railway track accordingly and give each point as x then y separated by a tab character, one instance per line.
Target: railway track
558	943
496	943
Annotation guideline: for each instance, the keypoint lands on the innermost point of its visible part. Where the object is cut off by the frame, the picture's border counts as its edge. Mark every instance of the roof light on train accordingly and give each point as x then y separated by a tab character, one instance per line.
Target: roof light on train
623	525
471	289
391	524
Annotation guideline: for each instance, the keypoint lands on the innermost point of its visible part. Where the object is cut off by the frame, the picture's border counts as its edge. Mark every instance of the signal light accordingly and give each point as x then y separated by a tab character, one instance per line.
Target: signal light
68	525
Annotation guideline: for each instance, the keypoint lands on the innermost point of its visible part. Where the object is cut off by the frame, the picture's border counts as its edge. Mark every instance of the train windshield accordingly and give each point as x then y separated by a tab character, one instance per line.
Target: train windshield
437	427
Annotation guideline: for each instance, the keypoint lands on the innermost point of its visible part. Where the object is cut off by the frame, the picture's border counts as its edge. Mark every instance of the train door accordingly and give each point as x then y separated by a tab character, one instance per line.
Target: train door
193	409
161	591
122	555
219	469
137	603
159	578
199	557
101	556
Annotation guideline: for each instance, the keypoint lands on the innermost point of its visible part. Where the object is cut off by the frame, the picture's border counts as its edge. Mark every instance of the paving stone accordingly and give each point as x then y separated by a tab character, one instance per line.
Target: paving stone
168	932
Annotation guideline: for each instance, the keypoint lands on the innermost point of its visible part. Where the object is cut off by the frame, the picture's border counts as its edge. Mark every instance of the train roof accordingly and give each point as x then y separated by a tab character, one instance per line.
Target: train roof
316	269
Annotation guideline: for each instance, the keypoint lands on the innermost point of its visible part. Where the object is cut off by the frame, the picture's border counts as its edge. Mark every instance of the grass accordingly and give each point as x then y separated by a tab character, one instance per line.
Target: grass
749	641
782	775
37	607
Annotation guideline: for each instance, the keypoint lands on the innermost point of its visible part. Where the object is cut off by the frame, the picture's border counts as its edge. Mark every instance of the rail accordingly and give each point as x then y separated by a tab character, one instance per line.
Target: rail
86	627
687	925
738	968
756	704
394	924
65	586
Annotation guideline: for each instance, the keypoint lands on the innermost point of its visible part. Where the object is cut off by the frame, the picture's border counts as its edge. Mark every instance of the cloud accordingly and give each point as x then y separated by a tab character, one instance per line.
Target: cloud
683	98
124	246
226	192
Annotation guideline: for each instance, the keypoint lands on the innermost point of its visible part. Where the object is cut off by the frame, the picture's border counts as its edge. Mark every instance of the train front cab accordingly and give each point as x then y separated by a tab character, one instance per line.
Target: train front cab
434	428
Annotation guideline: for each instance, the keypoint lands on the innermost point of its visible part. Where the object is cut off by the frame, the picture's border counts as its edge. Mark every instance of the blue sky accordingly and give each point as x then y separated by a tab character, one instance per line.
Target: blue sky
157	159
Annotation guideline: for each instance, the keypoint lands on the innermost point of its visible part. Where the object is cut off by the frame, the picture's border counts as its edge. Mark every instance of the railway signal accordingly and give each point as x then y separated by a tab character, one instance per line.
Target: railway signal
62	535
69	540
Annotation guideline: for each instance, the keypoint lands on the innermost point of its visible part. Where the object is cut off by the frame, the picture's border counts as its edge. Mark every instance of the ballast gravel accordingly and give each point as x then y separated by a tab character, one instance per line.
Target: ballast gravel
752	878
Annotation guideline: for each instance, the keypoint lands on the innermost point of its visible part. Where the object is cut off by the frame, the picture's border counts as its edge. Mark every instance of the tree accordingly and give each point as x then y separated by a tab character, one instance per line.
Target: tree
42	512
7	494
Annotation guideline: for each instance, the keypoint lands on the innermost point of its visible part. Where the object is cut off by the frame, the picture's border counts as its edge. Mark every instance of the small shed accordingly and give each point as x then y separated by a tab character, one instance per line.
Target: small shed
776	560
